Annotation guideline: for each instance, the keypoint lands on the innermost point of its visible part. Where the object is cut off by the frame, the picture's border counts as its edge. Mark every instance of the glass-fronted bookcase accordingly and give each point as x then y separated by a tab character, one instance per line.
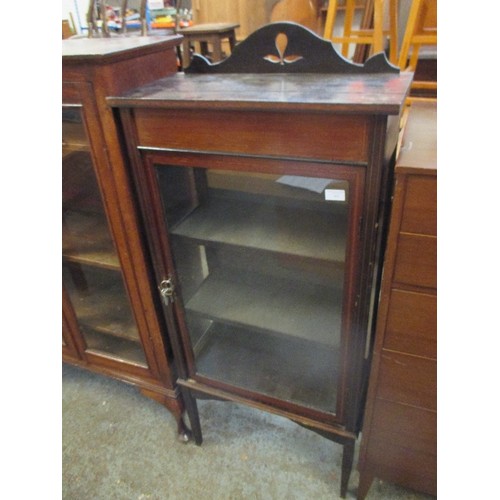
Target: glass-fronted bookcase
110	320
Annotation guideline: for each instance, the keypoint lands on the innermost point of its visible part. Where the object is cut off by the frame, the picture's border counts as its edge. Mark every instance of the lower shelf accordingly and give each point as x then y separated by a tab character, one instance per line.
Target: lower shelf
122	349
100	301
283	367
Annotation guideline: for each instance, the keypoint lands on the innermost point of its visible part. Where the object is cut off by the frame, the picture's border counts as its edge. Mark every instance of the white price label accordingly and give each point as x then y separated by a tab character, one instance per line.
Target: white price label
334	194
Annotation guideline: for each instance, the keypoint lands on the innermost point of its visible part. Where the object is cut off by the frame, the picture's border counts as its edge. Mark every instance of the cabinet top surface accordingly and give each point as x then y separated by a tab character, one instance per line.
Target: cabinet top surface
95	49
419	147
371	93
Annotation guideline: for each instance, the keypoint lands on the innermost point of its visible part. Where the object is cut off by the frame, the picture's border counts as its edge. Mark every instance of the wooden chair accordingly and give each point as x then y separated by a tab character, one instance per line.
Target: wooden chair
421	29
97	12
371	31
68	28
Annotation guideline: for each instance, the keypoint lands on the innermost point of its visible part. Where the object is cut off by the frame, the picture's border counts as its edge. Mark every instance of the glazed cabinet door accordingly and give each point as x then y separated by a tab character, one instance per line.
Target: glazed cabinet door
255	261
98	317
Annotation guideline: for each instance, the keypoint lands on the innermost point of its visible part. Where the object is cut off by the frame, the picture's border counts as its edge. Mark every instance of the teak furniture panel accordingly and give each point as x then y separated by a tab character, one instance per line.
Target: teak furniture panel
411	323
399	430
407	465
407	379
416	427
110	244
404	446
416	260
420	209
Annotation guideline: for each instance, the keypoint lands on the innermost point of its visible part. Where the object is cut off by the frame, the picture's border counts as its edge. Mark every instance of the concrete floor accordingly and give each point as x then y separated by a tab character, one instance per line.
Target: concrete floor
118	444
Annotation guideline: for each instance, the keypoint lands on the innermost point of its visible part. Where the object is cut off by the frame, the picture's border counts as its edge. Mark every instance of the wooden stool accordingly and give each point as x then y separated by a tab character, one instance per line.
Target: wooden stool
207	33
371	31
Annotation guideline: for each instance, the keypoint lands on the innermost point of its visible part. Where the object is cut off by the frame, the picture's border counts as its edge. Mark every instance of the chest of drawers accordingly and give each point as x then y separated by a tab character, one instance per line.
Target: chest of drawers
399	432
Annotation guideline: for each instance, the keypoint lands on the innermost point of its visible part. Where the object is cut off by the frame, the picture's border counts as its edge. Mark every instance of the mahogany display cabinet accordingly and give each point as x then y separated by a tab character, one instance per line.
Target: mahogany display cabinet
263	187
111	323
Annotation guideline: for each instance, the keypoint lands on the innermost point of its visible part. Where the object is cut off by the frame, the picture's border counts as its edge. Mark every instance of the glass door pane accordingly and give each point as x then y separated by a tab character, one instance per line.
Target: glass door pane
260	263
91	269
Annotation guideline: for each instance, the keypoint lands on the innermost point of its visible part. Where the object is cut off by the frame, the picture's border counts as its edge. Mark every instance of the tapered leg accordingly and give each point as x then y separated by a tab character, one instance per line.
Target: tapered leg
192	411
347	460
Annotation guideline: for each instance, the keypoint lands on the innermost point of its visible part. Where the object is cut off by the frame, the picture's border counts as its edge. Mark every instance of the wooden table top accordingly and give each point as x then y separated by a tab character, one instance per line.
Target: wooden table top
76	50
372	93
419	146
205	28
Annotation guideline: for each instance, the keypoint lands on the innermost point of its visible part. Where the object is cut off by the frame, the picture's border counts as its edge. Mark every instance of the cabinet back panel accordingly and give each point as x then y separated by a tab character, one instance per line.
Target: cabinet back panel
332	138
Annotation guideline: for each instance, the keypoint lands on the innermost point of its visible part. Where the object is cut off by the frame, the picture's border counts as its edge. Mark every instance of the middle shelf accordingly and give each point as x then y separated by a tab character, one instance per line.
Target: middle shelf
86	240
307	233
297	309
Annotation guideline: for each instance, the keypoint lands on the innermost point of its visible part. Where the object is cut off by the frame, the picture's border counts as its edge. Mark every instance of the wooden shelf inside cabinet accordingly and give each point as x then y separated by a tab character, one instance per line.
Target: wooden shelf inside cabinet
86	240
271	185
80	189
274	228
74	136
271	304
100	304
290	369
114	347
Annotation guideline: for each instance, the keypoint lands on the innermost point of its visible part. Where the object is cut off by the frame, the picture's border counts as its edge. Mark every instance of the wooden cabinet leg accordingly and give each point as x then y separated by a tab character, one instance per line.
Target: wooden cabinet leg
194	417
175	407
347	460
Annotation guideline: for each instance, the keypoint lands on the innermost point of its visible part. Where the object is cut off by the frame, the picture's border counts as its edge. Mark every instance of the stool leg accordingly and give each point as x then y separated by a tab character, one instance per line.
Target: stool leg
186	56
232	41
204	48
217	45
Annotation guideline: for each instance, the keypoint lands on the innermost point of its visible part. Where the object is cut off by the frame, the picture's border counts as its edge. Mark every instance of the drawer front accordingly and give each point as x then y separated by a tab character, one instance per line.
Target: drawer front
410	468
407	379
416	260
405	426
420	207
318	136
412	323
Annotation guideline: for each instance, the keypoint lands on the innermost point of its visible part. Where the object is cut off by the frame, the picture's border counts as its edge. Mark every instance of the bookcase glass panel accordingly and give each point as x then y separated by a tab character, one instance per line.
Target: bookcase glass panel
260	263
91	269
